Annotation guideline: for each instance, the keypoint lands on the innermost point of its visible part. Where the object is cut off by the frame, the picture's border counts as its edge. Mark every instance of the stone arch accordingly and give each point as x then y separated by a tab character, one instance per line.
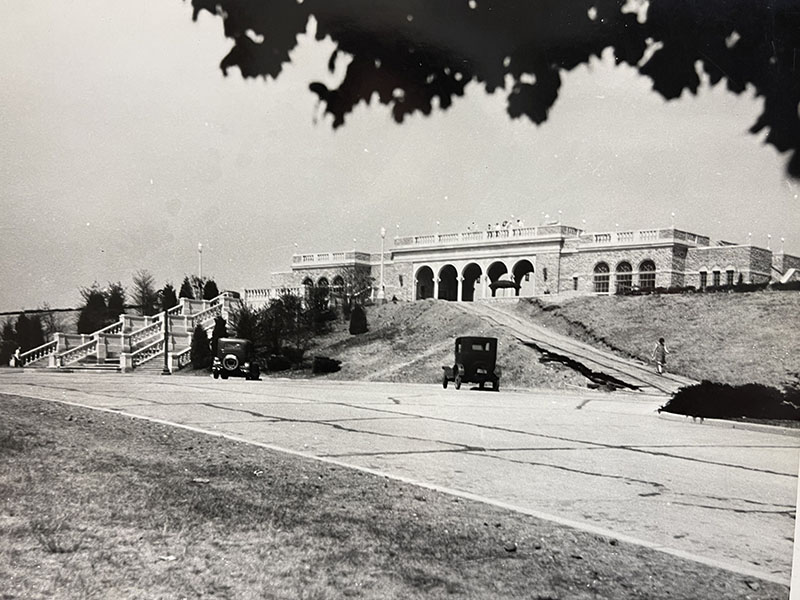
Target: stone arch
337	285
448	283
323	282
495	272
308	282
471	275
523	277
601	278
424	283
623	277
647	275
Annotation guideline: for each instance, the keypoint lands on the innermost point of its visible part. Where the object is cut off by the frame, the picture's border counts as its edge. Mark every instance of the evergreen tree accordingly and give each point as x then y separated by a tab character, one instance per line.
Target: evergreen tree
201	351
8	342
168	297
115	301
144	293
220	331
210	290
358	320
28	332
35	333
186	289
93	315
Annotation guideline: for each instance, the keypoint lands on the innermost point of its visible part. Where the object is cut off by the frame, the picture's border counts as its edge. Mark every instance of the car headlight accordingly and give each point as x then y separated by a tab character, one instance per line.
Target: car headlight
216	360
246	365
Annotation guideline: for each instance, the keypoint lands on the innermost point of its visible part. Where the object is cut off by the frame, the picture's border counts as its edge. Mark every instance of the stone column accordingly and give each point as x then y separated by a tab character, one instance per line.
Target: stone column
102	350
435	288
459	287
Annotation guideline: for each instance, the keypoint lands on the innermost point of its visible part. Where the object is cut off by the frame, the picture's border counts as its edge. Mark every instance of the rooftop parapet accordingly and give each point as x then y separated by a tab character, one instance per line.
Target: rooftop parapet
330	258
643	236
488	236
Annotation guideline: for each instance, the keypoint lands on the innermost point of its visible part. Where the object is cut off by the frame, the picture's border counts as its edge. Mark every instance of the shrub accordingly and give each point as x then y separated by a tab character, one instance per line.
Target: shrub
276	362
201	349
323	364
358	320
718	400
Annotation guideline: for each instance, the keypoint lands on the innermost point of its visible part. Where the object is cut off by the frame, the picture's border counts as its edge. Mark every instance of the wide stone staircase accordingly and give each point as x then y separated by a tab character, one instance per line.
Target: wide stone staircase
134	342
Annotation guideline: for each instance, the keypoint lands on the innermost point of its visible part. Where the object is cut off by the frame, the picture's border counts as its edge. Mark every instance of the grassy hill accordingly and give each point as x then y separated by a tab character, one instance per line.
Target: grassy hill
728	338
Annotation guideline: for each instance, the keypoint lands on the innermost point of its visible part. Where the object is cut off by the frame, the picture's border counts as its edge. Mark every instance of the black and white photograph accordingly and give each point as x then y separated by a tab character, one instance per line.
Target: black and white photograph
321	299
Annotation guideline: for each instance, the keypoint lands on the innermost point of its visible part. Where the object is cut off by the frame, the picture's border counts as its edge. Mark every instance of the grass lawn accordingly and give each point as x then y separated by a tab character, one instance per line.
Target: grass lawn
725	338
97	505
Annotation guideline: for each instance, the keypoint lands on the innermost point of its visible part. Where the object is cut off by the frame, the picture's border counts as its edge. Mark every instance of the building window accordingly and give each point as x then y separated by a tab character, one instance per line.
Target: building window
647	275
601	277
703	280
624	277
729	277
716	278
575	283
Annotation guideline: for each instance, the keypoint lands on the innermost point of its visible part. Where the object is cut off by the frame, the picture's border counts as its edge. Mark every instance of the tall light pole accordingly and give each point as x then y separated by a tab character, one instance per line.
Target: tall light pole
166	370
200	260
381	293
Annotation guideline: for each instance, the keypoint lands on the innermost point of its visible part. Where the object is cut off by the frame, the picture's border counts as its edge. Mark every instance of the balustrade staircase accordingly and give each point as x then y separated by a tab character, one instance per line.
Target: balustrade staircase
133	342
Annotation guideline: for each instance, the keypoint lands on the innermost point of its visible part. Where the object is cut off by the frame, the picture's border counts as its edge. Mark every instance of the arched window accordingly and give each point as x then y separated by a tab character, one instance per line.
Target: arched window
601	277
647	275
624	277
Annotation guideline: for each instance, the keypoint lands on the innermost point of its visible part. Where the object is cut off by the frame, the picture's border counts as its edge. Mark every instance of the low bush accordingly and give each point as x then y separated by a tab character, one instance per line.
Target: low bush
723	401
323	364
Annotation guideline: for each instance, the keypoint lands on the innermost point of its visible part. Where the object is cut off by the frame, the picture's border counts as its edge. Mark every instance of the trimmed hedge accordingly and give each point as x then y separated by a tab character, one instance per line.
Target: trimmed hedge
723	401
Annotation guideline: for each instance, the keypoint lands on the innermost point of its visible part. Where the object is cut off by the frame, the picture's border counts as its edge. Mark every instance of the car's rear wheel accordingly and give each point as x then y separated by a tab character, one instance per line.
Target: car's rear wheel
444	381
496	385
458	382
224	375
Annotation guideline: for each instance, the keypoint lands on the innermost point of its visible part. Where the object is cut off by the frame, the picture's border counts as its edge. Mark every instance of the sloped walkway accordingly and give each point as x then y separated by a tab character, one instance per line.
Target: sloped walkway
633	374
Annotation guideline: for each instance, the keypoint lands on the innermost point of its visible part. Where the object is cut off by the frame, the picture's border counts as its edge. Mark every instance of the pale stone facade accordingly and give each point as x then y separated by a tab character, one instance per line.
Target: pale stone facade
531	261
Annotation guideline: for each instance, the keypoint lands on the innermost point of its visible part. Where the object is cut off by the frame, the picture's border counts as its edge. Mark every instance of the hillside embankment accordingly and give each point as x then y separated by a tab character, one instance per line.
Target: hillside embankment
726	338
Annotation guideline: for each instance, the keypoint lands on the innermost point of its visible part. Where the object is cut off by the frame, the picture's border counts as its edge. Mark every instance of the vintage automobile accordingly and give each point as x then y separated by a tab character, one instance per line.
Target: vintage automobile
475	362
235	358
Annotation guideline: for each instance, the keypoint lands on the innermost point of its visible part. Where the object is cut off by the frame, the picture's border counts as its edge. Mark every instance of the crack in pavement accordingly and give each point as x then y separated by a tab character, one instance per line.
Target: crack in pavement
785	512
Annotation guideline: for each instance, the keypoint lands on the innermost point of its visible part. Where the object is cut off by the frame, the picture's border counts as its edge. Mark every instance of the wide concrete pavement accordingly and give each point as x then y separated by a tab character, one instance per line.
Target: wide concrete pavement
603	462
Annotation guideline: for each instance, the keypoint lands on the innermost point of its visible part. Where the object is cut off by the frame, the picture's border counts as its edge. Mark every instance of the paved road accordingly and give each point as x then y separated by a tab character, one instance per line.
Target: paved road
602	462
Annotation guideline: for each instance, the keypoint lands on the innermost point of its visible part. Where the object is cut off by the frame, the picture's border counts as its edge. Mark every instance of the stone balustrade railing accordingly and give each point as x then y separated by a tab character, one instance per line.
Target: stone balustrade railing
182	358
38	353
79	352
321	258
644	236
487	236
149	352
145	332
113	329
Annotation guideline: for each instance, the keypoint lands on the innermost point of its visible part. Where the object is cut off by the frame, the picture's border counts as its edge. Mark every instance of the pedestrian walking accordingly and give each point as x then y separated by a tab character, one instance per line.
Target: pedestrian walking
660	356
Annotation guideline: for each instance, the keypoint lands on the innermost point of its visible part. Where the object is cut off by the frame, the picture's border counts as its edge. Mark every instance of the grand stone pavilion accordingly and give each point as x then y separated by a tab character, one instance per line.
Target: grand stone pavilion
531	261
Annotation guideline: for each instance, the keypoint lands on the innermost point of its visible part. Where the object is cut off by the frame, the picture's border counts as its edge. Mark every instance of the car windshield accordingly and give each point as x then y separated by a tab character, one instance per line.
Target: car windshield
228	346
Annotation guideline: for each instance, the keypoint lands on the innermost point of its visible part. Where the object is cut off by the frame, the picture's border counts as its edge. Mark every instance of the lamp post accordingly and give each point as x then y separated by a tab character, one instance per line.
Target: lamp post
200	260
166	370
381	293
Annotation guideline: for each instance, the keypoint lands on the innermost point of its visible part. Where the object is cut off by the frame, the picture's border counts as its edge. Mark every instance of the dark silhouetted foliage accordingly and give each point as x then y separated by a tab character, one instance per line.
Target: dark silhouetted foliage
115	301
145	295
323	364
201	349
358	320
167	297
210	290
723	401
94	312
413	55
220	331
186	289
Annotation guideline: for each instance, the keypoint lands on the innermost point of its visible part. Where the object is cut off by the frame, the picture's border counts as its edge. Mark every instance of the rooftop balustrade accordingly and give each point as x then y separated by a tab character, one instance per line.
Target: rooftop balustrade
488	236
330	258
643	236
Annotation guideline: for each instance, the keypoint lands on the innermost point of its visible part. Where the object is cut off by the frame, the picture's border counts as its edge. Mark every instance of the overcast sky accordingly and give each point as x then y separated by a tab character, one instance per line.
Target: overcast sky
122	146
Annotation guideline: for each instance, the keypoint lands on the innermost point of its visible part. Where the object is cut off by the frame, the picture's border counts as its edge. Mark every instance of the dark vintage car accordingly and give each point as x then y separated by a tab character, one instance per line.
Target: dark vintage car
475	362
235	358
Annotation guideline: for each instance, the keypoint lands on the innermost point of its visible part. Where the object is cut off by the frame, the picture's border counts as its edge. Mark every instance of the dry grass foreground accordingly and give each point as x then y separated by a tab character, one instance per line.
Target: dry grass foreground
97	505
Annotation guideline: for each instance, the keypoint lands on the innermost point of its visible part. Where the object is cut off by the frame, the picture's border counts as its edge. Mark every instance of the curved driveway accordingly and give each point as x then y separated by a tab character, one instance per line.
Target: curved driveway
603	462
